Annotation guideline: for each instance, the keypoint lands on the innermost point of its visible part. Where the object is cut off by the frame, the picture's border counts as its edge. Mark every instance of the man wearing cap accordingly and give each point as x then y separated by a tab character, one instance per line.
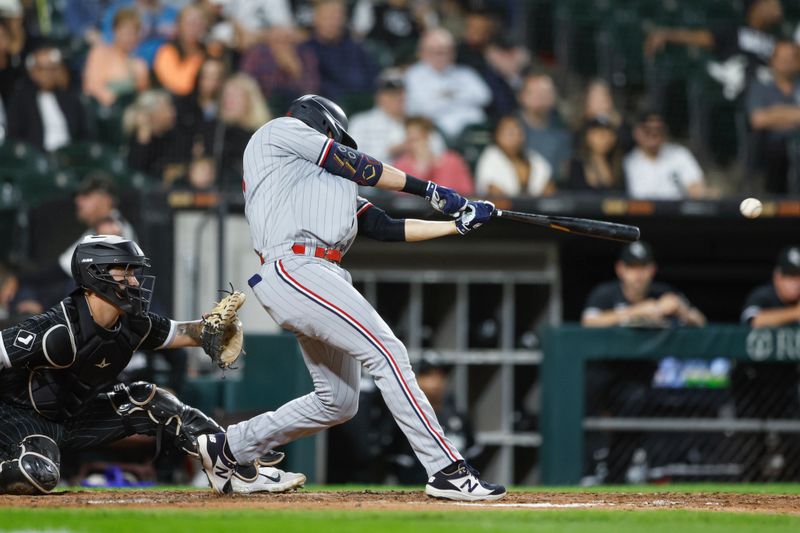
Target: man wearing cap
777	303
635	299
380	131
661	170
95	202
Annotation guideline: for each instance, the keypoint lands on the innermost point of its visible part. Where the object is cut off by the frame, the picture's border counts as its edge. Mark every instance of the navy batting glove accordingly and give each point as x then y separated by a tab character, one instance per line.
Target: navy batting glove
474	216
445	200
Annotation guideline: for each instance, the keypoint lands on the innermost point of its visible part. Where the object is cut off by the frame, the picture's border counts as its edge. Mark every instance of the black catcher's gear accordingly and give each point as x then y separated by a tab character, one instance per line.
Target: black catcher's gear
96	255
183	422
34	470
324	116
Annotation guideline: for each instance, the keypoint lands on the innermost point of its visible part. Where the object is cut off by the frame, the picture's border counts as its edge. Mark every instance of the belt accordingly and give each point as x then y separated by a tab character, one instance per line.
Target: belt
329	254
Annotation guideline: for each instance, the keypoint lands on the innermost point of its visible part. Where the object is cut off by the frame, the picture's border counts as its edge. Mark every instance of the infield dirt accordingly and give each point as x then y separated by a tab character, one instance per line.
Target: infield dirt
407	501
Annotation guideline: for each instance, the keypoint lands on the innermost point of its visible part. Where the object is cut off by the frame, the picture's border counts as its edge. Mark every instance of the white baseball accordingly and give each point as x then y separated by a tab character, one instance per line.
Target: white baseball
750	207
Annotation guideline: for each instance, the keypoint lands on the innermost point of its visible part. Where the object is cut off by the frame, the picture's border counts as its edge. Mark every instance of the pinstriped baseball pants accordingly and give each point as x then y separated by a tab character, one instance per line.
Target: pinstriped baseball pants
338	331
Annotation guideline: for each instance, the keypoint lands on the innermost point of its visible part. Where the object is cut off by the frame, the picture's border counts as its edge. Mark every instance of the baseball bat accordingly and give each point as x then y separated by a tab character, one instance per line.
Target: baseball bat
580	226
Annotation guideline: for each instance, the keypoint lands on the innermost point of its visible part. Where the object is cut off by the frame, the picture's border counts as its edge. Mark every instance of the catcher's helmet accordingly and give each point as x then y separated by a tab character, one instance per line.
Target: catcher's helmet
322	115
95	255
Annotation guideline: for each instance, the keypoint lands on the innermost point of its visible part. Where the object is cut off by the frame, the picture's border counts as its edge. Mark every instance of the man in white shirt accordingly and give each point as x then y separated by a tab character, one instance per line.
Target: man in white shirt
659	170
380	131
451	95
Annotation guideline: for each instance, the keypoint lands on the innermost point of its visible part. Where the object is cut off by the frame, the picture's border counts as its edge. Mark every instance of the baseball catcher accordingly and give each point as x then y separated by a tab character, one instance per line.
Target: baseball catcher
58	372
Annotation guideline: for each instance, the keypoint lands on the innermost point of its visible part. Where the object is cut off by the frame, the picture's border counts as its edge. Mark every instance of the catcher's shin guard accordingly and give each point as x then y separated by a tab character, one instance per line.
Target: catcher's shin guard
165	411
35	470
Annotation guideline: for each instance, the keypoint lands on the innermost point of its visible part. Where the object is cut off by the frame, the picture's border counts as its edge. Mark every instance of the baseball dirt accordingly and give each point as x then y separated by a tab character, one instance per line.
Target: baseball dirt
408	501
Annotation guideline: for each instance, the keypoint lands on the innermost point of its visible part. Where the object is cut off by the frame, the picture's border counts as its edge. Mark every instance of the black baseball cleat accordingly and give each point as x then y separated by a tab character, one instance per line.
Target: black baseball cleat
460	481
218	462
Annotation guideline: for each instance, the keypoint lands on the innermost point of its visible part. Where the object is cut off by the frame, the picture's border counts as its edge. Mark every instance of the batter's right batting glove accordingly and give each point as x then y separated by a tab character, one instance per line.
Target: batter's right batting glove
474	216
445	200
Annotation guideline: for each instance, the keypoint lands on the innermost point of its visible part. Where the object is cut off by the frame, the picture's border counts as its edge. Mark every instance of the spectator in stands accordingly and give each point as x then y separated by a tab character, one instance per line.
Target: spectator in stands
773	107
12	15
178	62
281	68
200	177
777	303
452	96
344	65
634	299
111	70
255	19
44	111
597	166
480	28
738	51
451	15
599	102
660	170
434	383
10	72
380	132
428	159
506	60
393	24
197	112
543	130
154	146
508	168
82	18
242	111
158	25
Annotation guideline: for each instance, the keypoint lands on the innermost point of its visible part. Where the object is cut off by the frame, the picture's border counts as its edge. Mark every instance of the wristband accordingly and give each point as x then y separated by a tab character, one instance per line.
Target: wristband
415	186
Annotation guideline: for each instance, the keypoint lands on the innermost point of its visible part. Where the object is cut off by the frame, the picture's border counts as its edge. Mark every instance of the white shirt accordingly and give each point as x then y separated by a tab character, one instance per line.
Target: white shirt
376	132
255	15
56	131
667	177
452	98
495	168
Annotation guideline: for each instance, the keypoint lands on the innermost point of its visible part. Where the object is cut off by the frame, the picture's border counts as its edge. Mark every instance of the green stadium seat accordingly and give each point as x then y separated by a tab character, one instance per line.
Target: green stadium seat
34	177
471	142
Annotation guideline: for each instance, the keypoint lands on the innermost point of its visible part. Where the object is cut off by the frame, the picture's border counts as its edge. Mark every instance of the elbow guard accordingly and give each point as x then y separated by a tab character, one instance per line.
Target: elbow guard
350	164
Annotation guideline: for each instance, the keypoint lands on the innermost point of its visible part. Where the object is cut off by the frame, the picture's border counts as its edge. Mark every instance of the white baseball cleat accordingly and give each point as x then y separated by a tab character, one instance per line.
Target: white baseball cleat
460	481
269	479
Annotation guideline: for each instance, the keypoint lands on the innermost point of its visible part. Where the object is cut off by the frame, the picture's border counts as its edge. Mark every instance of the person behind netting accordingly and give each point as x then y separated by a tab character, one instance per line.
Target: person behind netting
58	375
111	70
10	71
634	299
658	169
44	111
177	62
508	168
197	113
380	130
425	155
598	102
394	25
433	380
773	109
597	165
154	143
158	24
739	52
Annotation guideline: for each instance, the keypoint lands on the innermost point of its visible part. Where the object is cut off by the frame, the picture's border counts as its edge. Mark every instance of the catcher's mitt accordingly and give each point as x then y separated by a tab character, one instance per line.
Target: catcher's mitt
222	336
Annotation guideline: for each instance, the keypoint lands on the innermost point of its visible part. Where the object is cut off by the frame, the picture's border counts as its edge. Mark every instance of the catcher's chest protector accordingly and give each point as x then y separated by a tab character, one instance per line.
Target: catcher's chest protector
59	391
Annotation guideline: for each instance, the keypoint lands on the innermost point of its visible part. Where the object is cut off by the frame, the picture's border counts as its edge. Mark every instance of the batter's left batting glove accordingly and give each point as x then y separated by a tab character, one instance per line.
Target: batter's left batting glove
474	216
445	200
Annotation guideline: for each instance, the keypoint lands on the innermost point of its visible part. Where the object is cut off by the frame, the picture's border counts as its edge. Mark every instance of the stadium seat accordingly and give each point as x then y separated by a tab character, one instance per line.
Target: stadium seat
82	157
471	142
34	177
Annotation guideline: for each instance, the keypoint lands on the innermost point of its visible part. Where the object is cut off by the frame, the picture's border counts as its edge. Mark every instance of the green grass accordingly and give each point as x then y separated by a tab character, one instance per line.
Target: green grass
126	521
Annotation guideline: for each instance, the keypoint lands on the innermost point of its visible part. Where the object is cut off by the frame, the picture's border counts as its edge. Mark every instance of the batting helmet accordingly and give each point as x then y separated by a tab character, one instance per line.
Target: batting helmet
322	115
92	261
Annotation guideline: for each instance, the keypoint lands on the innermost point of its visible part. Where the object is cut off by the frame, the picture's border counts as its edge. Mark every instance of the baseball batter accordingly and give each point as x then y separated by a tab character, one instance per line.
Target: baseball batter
301	178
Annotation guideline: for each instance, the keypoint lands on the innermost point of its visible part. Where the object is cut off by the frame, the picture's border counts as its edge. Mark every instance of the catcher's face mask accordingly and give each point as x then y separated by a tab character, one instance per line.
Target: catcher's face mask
125	286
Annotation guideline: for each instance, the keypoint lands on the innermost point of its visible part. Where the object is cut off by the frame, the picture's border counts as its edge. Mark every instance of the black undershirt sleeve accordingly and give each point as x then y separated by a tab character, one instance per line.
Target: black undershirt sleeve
373	222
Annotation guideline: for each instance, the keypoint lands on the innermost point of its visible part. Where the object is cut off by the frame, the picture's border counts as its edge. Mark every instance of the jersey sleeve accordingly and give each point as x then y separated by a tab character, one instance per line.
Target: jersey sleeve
599	300
162	332
35	342
758	300
296	138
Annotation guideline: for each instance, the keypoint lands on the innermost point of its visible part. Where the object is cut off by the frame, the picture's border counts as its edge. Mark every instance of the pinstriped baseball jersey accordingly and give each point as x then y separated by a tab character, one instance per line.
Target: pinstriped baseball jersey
289	198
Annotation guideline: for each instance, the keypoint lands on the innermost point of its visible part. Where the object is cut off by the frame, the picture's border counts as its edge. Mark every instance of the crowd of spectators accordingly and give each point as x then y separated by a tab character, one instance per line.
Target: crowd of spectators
185	82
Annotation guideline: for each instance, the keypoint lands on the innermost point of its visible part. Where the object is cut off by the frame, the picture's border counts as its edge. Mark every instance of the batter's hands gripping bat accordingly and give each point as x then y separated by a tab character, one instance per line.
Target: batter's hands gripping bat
579	226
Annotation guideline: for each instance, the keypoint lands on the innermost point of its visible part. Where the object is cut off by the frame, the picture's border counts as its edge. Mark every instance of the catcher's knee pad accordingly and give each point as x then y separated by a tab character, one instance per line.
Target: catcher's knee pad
35	470
164	409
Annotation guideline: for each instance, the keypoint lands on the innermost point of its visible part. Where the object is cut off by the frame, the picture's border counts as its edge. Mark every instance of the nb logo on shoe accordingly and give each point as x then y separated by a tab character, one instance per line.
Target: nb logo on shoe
468	484
221	472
